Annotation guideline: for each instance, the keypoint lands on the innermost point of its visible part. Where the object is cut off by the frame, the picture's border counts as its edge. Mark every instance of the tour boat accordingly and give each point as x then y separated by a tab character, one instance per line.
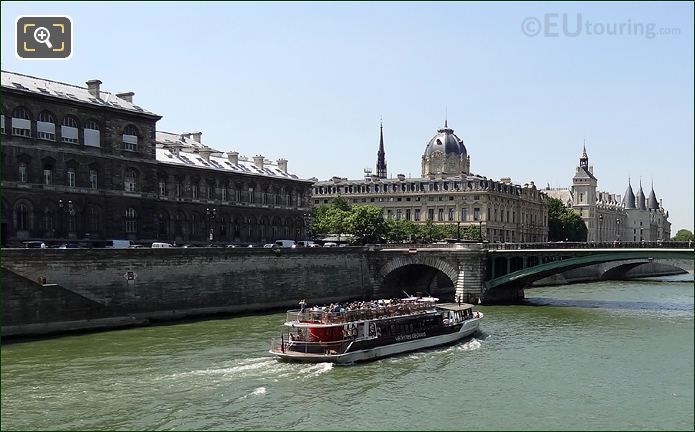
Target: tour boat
368	330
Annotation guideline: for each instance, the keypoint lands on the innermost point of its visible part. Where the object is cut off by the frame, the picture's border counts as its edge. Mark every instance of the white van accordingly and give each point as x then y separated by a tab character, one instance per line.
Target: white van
285	243
162	245
118	244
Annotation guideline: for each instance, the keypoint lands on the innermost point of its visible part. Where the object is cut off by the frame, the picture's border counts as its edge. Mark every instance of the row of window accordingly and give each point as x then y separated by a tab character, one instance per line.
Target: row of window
418	187
442	215
195	225
69	129
131	185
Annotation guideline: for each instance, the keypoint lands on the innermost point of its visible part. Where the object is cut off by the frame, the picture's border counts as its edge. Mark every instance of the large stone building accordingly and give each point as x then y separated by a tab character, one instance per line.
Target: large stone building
448	193
82	163
607	216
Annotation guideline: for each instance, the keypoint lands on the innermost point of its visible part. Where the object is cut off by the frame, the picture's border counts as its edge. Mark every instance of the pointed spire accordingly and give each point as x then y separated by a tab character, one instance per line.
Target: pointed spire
641	200
381	155
629	197
652	202
446	116
584	159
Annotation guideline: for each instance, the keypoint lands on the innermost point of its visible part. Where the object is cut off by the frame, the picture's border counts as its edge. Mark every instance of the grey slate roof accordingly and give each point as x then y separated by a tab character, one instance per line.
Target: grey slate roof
641	202
446	142
41	86
629	198
652	203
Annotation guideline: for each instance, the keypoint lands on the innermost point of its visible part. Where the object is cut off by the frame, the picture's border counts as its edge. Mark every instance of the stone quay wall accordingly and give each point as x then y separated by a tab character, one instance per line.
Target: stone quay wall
49	291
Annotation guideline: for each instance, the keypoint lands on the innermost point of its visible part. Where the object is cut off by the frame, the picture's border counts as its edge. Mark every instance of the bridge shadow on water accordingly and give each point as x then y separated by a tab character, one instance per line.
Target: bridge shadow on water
608	304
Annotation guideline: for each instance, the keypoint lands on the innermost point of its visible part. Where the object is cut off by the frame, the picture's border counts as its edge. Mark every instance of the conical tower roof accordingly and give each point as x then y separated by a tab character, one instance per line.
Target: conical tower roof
652	202
641	200
629	198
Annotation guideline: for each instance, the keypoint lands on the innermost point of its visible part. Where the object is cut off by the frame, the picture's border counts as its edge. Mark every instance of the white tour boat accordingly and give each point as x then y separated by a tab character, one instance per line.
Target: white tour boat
368	330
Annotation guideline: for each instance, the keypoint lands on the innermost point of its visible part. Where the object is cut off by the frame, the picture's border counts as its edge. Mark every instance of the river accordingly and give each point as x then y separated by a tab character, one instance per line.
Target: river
613	355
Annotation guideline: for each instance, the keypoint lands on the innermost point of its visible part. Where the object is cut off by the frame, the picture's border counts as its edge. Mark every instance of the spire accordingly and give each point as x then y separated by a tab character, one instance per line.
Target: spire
446	117
641	201
629	198
381	155
584	159
652	202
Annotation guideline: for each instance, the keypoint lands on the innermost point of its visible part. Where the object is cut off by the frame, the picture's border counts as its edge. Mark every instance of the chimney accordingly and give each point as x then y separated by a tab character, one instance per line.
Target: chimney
258	161
128	97
233	157
93	88
282	164
401	177
205	153
196	136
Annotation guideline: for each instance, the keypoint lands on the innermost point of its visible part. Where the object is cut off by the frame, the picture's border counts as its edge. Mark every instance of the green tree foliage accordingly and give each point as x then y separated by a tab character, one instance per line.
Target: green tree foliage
564	224
683	235
367	225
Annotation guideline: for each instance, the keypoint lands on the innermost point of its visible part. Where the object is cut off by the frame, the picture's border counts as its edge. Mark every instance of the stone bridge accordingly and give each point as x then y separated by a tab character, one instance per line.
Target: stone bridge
499	273
49	290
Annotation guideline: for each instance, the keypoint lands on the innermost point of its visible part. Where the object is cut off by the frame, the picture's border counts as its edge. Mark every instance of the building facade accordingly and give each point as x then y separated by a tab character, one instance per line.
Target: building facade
82	163
606	215
448	193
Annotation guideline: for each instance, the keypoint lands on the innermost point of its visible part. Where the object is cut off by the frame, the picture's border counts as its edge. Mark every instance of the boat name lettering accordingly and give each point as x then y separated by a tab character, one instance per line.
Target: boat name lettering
410	336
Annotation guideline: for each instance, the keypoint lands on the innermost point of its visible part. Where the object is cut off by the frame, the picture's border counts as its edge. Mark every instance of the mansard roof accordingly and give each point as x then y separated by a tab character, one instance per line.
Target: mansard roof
68	92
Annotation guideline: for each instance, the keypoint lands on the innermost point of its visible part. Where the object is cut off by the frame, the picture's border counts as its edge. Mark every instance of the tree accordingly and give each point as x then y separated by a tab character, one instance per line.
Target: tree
366	223
331	219
683	235
564	224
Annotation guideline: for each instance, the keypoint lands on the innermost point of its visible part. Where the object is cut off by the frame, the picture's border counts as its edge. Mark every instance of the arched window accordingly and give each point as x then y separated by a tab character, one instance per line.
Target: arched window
22	213
48	222
21	122
162	188
92	135
68	130
93	220
130	138
131	221
46	126
131	180
23	176
47	174
93	179
71	177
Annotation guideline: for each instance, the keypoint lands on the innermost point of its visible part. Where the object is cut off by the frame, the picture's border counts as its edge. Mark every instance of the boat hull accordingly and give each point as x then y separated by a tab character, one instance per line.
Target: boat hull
467	328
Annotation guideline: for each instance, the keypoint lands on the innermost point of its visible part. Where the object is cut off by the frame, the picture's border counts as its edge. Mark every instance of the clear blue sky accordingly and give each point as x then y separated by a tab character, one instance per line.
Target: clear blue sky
308	82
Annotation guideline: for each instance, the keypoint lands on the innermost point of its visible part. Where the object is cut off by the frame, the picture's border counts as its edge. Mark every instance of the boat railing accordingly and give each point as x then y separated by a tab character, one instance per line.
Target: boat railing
286	345
386	311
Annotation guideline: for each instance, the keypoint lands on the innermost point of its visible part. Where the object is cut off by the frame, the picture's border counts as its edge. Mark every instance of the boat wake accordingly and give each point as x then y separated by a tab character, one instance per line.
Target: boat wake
259	367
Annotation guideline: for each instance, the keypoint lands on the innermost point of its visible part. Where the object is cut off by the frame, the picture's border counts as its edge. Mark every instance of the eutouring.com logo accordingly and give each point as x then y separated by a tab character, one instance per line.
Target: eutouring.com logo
574	25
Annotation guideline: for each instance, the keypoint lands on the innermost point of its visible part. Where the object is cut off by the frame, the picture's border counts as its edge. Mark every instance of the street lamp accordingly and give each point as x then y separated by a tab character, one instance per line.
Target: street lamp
211	213
480	230
617	222
600	227
640	234
502	233
458	231
67	209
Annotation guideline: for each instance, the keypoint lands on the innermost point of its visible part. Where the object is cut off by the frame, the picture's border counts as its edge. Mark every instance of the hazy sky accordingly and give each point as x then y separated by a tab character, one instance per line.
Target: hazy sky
309	82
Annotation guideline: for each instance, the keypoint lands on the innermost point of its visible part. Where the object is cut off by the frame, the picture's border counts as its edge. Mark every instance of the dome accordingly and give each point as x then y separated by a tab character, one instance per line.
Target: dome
445	142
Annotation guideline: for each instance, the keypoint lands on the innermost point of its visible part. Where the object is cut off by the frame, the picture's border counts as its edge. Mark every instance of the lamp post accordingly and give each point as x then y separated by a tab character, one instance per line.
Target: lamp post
600	227
503	226
458	231
68	210
480	230
640	234
212	214
617	222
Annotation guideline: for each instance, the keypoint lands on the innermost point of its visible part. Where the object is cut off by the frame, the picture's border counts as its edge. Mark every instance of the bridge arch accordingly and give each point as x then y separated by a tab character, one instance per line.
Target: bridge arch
416	274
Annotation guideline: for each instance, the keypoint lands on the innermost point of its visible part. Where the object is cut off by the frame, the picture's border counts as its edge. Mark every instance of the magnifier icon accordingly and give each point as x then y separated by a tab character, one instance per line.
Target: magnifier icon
42	35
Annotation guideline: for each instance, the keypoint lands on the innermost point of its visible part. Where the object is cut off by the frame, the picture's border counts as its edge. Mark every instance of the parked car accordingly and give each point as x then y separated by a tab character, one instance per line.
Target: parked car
230	246
35	245
306	243
329	244
161	245
285	243
269	245
343	245
69	246
118	244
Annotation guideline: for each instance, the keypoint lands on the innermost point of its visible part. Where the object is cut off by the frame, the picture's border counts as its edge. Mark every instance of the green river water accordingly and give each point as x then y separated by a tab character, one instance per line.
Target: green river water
614	355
